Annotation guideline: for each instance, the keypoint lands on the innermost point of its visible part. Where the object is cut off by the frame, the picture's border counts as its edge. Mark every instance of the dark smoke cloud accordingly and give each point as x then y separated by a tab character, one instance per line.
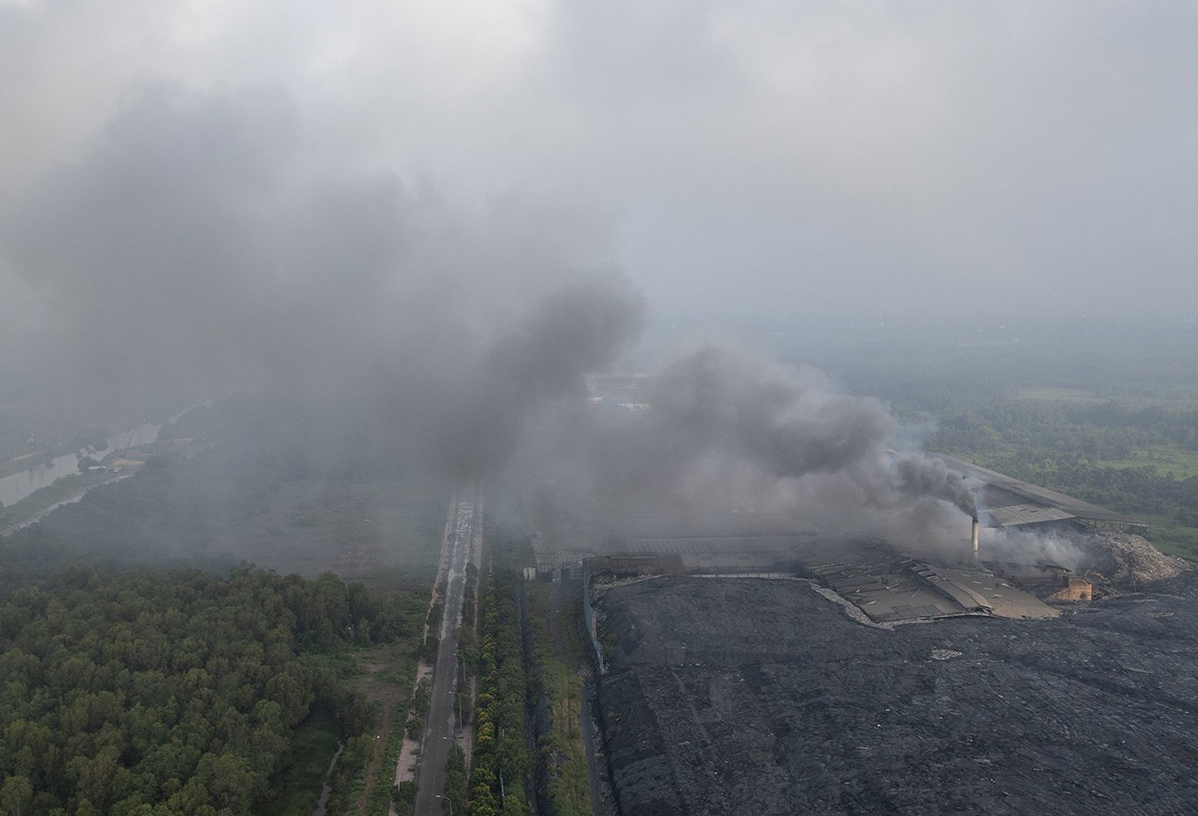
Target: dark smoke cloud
197	249
574	331
926	476
727	432
904	157
789	425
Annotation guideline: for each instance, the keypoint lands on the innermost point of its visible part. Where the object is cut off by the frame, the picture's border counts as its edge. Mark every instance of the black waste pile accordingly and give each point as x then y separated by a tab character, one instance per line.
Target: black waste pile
759	697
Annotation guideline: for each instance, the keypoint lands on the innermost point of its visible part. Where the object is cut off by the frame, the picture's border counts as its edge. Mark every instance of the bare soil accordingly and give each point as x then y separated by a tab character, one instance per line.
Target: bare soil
381	666
355	529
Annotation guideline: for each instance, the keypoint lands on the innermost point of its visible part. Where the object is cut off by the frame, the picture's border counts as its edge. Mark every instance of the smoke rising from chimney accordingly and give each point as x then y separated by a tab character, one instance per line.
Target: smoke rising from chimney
728	431
928	476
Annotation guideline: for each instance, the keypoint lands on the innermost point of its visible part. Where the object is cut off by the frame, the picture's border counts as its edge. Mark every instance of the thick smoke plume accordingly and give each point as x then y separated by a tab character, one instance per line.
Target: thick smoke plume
192	251
925	476
728	433
1032	546
197	249
575	331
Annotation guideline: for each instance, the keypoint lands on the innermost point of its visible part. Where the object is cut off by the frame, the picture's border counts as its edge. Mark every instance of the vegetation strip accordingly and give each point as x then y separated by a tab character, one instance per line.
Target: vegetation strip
556	654
500	761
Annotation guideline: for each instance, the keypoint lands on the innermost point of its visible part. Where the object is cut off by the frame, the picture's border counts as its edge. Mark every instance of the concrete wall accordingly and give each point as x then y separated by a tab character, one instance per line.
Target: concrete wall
588	613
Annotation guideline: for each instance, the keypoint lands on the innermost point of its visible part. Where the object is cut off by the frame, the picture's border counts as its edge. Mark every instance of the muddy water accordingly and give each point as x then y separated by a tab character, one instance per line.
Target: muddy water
322	806
19	485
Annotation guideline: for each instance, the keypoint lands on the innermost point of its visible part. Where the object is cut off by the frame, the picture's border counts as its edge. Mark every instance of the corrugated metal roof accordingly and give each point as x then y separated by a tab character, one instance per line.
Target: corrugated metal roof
1003	492
1003	599
1017	514
902	589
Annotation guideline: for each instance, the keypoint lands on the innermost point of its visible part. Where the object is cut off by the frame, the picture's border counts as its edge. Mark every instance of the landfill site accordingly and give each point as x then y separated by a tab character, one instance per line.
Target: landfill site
794	674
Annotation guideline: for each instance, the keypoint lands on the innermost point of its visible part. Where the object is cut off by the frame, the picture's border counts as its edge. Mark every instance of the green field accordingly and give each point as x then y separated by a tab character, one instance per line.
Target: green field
1171	537
1165	459
1136	455
556	657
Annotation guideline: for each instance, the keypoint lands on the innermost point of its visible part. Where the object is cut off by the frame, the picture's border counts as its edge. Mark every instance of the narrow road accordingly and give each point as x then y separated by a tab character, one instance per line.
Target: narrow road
441	715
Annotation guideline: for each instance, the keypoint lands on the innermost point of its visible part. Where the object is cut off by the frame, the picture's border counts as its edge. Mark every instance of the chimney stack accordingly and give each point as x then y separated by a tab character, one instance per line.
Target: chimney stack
974	538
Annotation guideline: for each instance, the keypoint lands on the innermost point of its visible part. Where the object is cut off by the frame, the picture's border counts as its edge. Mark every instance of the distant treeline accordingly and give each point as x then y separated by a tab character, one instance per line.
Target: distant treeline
1139	460
1101	430
154	694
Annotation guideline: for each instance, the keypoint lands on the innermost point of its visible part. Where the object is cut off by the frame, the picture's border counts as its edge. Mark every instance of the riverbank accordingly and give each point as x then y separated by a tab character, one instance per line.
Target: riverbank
43	501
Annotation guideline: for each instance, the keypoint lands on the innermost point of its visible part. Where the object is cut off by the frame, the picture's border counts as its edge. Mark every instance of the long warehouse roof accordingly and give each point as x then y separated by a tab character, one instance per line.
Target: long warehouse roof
1011	502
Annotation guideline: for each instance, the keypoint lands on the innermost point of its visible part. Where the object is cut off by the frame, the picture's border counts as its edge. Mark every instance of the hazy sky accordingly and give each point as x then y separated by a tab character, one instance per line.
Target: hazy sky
206	161
451	212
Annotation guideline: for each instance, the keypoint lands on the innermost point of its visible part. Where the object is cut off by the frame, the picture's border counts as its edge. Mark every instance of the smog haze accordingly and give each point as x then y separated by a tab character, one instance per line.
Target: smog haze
456	213
446	406
259	183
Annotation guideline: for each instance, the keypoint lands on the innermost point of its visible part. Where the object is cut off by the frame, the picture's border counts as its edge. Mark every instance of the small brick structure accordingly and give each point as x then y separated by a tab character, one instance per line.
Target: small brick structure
1075	589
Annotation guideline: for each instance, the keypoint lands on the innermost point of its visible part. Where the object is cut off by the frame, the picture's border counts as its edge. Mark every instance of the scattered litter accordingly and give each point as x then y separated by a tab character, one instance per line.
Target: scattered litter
945	654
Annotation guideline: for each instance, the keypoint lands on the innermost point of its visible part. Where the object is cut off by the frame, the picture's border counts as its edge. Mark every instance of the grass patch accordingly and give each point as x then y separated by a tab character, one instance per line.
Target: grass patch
1165	459
382	532
416	579
562	748
387	675
378	802
1173	538
341	663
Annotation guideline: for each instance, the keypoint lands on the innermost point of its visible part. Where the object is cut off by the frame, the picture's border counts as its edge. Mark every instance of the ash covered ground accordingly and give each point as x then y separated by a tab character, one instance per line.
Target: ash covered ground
752	696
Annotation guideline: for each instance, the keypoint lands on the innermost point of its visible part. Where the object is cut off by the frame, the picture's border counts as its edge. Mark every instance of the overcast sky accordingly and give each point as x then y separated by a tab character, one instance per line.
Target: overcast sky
890	157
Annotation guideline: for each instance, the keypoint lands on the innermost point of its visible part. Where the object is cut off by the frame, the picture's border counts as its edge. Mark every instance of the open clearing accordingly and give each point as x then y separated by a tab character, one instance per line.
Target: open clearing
355	529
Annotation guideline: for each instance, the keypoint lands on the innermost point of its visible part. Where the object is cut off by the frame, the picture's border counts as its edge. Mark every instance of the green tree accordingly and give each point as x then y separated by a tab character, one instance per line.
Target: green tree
16	796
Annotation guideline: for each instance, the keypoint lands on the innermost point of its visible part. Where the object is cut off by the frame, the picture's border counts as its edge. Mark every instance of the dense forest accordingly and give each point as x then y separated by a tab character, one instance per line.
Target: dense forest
142	694
145	669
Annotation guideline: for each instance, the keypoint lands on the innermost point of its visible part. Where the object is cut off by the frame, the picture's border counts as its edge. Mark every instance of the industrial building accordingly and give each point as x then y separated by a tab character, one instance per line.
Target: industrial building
1008	502
885	585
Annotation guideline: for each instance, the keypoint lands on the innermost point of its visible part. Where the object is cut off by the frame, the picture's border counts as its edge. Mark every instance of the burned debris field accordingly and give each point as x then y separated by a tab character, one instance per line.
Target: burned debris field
756	696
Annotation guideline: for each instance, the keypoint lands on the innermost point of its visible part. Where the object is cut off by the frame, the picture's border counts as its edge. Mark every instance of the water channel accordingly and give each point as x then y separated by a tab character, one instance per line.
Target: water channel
322	806
19	485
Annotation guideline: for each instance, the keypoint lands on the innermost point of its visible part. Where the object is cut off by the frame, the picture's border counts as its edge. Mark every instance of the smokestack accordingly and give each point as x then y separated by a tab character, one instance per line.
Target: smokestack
974	538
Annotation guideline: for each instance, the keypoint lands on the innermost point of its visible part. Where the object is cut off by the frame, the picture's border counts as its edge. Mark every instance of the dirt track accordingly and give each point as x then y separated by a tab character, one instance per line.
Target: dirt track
760	697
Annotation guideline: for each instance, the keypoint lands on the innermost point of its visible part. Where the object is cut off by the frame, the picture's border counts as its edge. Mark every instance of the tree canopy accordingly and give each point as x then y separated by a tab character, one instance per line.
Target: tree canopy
153	694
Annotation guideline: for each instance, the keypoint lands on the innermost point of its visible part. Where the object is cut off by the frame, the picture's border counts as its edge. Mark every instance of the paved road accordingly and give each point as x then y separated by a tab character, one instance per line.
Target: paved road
441	715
